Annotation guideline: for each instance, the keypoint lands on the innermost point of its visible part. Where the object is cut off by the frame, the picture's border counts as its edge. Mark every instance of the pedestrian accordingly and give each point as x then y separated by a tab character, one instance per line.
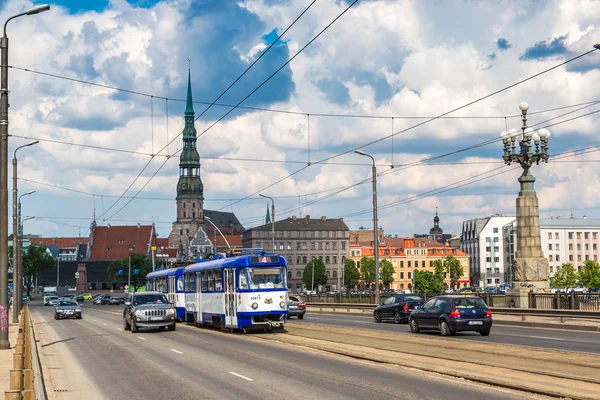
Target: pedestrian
10	302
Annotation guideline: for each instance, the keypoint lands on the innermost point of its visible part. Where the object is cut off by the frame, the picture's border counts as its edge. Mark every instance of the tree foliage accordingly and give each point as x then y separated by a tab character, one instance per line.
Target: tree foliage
35	259
351	273
320	274
589	276
427	282
454	269
139	262
565	277
367	270
387	273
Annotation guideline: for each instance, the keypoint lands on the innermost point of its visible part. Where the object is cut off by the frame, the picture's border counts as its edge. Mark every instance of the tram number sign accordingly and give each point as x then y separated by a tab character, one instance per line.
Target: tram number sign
264	259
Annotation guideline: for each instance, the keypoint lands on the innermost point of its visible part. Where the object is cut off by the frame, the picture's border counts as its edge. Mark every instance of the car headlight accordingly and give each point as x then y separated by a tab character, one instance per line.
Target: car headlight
171	311
59	310
282	304
137	312
78	310
254	306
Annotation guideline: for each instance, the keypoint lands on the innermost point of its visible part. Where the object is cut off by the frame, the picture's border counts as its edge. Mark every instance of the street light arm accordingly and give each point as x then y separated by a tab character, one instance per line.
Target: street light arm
13	17
217	228
25	145
26	194
365	154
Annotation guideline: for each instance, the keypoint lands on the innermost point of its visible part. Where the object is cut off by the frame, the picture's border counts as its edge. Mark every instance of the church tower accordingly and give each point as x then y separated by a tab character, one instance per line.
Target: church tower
190	191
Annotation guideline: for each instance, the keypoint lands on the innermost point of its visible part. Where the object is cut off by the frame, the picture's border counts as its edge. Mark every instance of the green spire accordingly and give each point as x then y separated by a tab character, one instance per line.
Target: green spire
268	218
189	108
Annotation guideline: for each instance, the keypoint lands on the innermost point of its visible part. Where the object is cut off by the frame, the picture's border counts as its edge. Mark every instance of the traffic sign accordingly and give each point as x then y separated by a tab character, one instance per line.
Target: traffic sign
120	272
153	248
76	274
136	271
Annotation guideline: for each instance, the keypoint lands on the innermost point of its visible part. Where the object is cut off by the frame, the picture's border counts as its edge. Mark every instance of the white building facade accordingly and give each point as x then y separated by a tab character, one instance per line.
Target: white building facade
484	241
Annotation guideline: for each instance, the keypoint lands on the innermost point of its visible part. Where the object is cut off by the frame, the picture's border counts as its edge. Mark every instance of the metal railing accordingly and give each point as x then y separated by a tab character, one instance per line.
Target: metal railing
545	301
22	375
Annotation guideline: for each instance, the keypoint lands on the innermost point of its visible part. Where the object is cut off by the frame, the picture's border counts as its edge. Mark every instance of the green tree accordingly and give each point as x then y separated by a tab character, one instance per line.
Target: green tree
565	277
367	270
589	276
426	282
454	269
320	274
139	262
351	273
439	270
35	259
387	273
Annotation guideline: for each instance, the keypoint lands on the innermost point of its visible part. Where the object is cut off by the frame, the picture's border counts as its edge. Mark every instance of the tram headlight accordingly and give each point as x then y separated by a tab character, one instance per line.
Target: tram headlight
254	306
282	304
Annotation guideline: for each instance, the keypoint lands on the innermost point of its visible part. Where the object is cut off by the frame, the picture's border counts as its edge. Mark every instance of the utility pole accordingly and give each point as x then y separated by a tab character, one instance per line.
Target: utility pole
313	277
272	220
57	273
153	249
129	275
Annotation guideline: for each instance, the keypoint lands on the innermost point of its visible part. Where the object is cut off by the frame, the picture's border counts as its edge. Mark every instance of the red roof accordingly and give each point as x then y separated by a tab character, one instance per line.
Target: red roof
118	242
234	241
162	242
60	241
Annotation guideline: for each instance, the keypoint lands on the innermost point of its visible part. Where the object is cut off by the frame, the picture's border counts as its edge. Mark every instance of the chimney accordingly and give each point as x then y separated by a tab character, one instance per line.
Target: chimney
108	226
323	218
307	216
341	219
138	225
294	218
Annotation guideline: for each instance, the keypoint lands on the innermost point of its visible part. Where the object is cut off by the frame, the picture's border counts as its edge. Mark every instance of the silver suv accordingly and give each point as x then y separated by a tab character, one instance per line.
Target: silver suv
148	309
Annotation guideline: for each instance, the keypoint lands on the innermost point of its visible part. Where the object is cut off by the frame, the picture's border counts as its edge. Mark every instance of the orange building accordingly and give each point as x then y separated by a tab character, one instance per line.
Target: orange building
411	256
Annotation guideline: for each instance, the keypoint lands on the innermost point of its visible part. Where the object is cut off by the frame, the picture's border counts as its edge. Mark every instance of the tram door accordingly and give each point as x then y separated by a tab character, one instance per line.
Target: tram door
171	289
230	300
198	298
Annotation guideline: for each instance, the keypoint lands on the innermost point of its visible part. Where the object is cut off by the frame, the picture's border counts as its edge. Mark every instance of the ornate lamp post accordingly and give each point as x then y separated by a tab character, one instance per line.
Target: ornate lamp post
530	266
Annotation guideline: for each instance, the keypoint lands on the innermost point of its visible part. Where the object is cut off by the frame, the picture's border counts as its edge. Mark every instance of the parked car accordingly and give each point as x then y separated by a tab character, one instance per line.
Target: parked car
86	296
26	298
67	297
148	309
67	309
296	307
397	307
450	314
114	300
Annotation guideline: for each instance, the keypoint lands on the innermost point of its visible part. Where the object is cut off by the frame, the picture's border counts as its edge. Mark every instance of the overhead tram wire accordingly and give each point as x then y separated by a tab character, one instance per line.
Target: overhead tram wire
434	118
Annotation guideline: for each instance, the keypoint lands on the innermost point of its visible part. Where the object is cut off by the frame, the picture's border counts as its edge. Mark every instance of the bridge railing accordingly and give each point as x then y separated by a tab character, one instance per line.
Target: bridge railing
22	375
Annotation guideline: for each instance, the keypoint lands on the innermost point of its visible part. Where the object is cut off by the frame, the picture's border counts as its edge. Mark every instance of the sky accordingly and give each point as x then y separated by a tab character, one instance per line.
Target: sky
400	61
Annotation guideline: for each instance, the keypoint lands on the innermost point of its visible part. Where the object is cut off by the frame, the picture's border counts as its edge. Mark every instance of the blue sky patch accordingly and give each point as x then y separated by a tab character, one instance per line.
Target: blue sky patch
542	50
78	6
503	44
334	90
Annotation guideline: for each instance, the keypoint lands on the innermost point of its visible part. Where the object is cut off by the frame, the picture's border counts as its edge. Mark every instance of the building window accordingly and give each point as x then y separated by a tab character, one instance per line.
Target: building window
183	205
298	274
303	245
570	235
289	245
313	246
320	245
570	246
557	257
319	234
298	259
298	246
326	259
410	275
343	245
488	240
587	257
289	234
352	253
280	246
578	235
181	232
496	249
335	259
328	275
586	235
334	245
496	259
334	274
578	246
401	275
496	240
303	234
594	246
579	257
549	235
304	260
423	264
488	259
495	230
193	205
326	245
570	257
556	246
555	235
184	214
401	264
594	235
193	214
587	246
550	258
549	246
410	264
488	248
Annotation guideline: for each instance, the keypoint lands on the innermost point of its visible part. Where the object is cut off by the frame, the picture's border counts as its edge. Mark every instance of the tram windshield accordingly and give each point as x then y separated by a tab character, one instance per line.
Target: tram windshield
262	278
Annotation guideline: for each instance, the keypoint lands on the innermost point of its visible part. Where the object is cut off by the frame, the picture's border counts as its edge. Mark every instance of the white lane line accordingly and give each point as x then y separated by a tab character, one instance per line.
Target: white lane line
544	337
176	351
141	338
104	324
94	320
242	376
120	329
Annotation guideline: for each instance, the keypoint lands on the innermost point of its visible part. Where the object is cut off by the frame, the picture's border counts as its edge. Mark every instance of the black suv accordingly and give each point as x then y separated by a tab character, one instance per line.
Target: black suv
148	309
397	307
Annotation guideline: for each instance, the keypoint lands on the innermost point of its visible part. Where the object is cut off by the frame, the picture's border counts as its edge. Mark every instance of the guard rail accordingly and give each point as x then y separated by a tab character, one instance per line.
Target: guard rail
498	310
22	376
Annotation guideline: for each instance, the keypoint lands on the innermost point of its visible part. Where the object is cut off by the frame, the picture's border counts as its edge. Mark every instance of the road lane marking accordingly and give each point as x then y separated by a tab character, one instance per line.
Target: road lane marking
242	376
104	324
141	338
120	329
544	337
176	351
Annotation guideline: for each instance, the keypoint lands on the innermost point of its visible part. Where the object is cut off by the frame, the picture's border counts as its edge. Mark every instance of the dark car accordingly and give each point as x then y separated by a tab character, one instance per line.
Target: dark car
450	314
148	309
67	309
397	307
114	300
105	299
296	307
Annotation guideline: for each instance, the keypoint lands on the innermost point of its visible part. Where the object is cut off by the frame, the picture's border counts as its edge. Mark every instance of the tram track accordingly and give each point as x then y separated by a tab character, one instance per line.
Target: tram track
552	373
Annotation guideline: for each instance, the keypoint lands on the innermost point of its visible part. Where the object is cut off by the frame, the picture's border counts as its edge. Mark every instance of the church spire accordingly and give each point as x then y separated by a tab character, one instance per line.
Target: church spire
189	107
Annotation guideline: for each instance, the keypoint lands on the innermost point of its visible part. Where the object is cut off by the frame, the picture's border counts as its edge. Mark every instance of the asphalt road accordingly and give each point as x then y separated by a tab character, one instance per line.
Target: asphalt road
202	363
557	339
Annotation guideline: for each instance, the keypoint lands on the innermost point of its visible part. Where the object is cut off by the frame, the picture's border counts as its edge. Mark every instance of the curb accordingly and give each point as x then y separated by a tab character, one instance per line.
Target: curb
45	372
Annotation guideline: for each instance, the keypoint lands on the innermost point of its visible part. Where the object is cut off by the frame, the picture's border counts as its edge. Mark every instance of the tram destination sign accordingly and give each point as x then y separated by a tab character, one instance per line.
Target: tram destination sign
264	259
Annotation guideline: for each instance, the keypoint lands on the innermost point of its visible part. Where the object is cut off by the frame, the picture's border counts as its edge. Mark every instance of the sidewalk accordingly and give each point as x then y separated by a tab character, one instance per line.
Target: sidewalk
6	357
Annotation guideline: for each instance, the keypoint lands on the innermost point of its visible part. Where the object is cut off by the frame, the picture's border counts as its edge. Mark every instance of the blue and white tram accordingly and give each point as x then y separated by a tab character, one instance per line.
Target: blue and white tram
243	292
171	283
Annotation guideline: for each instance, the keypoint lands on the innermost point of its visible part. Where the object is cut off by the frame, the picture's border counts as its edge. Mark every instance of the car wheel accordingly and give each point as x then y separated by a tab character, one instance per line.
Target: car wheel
172	327
55	316
414	325
301	316
134	327
377	317
485	332
126	326
445	329
397	317
78	317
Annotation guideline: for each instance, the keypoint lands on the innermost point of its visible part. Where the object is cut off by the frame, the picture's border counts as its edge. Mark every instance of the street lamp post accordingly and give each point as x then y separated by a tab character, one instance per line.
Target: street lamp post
272	220
375	230
19	247
217	228
17	261
4	342
530	266
17	295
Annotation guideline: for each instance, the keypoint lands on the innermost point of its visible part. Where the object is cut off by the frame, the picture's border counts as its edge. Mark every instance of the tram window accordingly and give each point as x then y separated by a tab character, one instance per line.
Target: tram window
180	283
264	278
243	281
205	281
218	280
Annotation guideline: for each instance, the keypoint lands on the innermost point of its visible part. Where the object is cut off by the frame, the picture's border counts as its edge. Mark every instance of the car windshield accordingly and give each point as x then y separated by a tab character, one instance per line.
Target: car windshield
149	299
261	278
412	298
66	303
469	303
52	298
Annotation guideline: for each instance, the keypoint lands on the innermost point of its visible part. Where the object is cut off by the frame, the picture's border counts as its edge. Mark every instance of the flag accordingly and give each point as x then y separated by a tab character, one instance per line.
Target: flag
268	218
